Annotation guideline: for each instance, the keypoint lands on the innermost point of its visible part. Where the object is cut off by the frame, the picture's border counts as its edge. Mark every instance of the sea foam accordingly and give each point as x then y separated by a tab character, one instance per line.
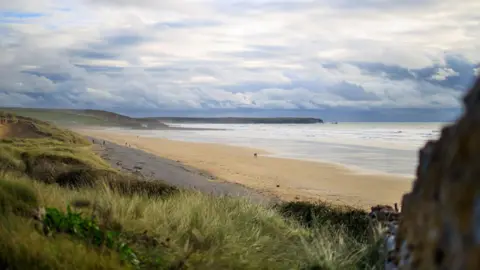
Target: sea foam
368	147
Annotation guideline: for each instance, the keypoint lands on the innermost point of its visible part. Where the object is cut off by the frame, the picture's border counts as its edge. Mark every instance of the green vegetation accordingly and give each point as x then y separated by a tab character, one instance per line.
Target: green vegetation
63	207
16	198
352	221
87	229
86	117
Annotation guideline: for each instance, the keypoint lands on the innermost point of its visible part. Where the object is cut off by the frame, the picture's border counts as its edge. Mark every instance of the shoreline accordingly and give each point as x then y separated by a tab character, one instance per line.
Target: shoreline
354	169
287	179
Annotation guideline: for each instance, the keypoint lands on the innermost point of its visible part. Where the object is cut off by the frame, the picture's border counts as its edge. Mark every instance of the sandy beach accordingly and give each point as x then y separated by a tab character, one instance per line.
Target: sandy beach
287	179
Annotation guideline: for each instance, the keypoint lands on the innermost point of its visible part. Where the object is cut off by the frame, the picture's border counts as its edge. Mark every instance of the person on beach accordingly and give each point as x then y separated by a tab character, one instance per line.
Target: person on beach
255	155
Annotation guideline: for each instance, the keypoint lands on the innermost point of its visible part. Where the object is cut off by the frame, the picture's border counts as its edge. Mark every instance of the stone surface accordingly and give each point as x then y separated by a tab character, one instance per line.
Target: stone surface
439	226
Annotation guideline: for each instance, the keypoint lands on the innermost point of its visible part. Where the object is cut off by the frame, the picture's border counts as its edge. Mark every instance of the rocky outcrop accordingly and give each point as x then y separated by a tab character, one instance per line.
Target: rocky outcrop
440	223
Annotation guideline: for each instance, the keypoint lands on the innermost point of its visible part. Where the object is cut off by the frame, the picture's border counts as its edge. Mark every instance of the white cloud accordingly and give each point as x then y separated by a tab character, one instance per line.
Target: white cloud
477	71
443	73
225	54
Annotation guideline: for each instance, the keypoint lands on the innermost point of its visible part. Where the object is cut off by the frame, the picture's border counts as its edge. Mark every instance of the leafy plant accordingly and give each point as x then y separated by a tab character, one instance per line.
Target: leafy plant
75	224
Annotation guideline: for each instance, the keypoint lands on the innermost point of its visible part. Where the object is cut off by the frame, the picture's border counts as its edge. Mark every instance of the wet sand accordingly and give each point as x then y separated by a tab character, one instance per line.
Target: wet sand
287	179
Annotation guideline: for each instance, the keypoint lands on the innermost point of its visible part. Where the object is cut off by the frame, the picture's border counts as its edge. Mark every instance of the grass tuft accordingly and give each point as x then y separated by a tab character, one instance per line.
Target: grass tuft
22	247
354	222
16	198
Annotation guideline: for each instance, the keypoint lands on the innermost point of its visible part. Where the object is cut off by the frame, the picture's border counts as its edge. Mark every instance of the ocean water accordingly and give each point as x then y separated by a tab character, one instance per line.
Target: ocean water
366	147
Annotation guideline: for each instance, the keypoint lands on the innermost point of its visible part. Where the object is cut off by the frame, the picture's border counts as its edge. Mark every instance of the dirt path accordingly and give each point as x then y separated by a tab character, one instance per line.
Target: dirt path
172	172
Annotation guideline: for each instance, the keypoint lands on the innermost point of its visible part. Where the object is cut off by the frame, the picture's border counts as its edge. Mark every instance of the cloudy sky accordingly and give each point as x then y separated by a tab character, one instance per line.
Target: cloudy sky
342	58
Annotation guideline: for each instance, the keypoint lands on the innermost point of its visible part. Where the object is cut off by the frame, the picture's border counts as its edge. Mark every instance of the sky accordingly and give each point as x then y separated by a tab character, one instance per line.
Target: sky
345	59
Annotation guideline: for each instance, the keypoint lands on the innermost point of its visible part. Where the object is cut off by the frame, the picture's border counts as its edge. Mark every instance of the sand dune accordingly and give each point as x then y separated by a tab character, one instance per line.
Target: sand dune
287	178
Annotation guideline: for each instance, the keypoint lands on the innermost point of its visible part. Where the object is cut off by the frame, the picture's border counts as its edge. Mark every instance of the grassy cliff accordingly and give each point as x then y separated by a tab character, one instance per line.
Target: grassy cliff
86	117
63	207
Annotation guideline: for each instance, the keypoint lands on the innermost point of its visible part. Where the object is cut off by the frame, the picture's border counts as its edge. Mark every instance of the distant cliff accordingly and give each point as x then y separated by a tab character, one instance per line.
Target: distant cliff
239	120
86	117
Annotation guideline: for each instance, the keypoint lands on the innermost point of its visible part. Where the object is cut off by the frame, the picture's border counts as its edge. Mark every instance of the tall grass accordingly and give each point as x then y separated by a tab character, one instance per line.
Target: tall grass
165	227
198	231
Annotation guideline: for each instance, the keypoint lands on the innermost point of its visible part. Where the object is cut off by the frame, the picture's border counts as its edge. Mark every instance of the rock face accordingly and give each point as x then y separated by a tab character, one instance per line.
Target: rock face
440	221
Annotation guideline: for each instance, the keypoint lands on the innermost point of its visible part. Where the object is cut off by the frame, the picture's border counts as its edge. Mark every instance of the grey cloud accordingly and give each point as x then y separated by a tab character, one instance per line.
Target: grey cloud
266	6
189	7
92	54
222	66
187	24
252	86
352	92
119	40
113	46
137	88
54	77
145	3
125	39
240	7
100	69
380	5
8	99
464	72
260	52
392	72
24	5
167	69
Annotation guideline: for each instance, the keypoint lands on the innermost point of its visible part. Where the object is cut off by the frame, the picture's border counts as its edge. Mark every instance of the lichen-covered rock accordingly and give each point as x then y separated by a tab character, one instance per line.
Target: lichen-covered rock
440	220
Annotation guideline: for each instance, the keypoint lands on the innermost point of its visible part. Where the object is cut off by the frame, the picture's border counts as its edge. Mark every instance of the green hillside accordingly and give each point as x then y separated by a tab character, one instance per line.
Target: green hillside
86	117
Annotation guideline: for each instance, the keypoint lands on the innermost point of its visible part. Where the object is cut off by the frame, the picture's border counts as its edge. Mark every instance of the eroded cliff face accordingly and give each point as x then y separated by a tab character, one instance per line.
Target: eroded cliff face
440	221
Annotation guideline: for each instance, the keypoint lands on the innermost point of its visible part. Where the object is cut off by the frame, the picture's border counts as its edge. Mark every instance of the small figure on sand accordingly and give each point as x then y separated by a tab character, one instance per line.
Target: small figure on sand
93	141
255	155
103	142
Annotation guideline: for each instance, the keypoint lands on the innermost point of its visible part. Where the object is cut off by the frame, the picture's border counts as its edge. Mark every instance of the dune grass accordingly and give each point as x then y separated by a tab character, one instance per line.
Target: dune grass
65	158
119	222
191	230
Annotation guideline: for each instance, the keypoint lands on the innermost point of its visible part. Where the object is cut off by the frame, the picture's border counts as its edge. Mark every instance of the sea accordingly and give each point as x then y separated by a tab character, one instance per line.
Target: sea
390	148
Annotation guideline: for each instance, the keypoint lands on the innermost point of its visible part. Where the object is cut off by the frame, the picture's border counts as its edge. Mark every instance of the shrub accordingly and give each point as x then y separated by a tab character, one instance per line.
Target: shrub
121	183
133	186
82	177
22	247
354	221
88	230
